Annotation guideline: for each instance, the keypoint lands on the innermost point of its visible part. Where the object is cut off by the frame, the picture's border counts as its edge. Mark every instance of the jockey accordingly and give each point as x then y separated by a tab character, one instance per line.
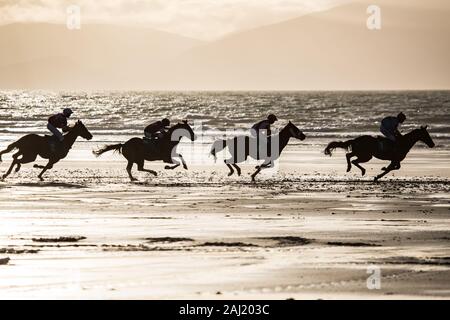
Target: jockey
389	126
59	120
263	125
157	129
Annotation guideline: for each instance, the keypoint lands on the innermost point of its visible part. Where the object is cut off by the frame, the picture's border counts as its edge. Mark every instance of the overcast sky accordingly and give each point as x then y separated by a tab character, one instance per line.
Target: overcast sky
201	19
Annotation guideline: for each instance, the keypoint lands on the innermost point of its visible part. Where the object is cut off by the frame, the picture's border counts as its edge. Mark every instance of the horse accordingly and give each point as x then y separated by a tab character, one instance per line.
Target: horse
137	150
32	145
250	149
366	147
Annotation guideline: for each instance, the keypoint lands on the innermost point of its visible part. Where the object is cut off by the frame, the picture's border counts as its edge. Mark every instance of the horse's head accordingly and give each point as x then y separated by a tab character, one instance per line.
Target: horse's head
294	131
424	136
81	130
182	129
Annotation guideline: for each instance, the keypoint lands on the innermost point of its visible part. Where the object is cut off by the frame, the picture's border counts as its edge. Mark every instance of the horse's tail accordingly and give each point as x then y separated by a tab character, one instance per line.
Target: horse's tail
115	147
217	146
337	144
10	148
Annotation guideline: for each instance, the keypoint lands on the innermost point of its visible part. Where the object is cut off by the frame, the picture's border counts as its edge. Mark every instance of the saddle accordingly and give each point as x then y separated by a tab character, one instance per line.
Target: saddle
386	145
54	144
51	139
151	145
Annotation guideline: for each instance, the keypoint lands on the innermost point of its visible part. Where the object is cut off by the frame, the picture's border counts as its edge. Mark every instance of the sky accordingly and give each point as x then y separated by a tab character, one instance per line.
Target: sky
199	19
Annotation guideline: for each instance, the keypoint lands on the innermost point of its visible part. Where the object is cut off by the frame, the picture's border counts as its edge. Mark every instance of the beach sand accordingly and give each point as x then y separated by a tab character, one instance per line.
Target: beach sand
308	231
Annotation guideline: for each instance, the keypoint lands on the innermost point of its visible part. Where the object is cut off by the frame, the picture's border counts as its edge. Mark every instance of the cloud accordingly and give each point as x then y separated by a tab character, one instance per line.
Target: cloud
203	19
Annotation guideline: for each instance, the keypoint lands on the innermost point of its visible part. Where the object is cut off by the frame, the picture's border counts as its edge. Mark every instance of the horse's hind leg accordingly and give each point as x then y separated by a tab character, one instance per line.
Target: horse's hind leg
26	158
141	168
129	166
238	170
14	162
10	169
229	167
349	165
359	160
10	148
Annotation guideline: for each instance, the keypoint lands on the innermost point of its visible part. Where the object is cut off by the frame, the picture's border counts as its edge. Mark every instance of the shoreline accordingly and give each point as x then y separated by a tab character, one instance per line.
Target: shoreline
299	233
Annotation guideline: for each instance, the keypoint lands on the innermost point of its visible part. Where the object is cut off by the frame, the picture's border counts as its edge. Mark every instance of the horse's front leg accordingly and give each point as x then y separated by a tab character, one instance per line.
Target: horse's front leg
394	165
265	165
177	164
47	167
182	161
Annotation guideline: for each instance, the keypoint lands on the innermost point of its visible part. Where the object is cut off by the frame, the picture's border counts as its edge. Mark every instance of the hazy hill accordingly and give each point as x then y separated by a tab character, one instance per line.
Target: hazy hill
332	50
98	56
325	50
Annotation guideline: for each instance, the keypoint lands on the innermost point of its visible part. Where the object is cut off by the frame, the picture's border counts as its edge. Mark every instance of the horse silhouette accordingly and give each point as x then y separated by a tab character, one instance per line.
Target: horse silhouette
366	147
33	145
242	147
137	150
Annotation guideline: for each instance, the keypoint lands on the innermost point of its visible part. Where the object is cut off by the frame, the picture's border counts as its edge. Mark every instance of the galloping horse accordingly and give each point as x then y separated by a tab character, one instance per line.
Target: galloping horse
137	150
251	149
366	147
32	145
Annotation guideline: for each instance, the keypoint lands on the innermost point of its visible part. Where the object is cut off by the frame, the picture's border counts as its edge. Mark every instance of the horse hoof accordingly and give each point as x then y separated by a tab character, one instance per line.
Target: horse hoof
185	167
375	179
154	173
230	174
363	173
348	169
239	173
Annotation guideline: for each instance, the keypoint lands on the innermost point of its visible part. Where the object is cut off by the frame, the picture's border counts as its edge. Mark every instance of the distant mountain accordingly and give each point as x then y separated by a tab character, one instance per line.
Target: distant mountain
327	50
42	55
332	50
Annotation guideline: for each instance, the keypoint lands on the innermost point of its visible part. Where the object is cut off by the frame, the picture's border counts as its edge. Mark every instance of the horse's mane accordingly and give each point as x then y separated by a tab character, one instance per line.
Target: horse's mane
176	126
413	132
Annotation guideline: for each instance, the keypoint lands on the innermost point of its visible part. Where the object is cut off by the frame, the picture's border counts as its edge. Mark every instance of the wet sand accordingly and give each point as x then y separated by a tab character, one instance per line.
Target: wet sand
309	231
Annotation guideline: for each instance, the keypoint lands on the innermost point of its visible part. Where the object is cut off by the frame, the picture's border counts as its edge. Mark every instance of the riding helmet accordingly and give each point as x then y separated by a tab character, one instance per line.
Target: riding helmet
67	112
272	118
165	122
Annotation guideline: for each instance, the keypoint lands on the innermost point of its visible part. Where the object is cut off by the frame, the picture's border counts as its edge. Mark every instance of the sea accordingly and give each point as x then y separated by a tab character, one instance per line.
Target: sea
322	116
